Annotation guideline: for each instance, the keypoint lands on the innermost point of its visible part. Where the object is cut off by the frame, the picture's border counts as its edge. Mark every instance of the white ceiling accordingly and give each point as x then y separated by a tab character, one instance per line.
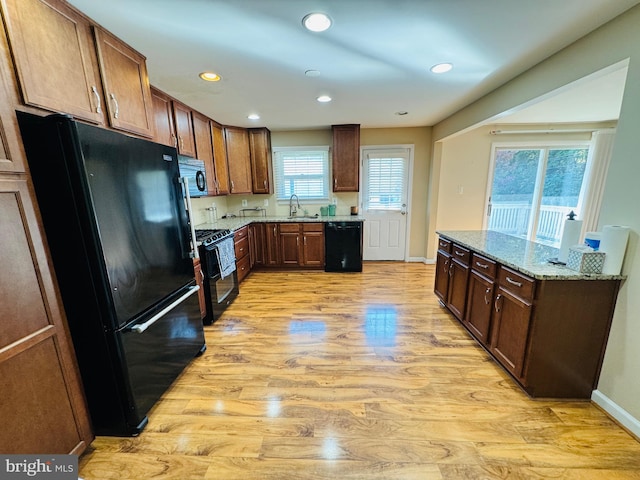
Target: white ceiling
374	60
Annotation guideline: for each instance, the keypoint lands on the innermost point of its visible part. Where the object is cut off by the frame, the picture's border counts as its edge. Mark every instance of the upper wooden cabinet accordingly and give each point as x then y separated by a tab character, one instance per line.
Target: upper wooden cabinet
126	85
346	158
204	148
165	131
260	150
237	142
54	57
222	186
184	129
60	68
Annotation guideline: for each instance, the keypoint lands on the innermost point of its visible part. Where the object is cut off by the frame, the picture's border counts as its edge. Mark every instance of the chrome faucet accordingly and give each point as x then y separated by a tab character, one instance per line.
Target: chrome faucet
293	210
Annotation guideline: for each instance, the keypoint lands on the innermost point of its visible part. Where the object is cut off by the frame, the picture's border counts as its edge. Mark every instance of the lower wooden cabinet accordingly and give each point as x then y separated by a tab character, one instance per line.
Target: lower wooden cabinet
286	244
549	334
243	259
42	404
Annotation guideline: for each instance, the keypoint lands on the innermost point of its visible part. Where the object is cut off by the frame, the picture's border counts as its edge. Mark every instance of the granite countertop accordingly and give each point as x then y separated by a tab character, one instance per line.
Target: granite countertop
530	258
236	223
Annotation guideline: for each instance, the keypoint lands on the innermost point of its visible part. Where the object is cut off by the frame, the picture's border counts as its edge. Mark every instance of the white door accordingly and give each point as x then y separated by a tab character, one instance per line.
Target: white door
385	180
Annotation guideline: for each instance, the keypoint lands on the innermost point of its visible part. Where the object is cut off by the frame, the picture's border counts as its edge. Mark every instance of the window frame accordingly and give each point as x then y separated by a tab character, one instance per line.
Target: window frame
325	149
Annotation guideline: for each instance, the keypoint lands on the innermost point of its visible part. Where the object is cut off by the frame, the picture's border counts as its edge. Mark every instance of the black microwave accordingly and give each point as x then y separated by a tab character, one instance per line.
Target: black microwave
193	169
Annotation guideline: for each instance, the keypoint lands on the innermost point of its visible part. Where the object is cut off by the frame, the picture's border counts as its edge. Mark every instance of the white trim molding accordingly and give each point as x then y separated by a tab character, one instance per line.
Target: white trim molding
618	413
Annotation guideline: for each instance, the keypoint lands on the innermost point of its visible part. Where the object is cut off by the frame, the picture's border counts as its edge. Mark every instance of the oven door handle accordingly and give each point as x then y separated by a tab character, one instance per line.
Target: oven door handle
187	198
141	327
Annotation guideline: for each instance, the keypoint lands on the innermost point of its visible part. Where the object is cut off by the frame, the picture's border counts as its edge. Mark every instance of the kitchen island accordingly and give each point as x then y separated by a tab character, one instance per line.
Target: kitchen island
546	325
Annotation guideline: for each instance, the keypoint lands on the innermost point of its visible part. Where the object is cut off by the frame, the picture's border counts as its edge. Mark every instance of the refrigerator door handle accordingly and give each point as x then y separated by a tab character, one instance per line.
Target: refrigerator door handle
187	196
140	328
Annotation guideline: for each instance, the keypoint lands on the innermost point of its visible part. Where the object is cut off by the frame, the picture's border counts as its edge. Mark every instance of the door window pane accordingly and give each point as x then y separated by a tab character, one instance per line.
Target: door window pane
563	182
533	190
512	192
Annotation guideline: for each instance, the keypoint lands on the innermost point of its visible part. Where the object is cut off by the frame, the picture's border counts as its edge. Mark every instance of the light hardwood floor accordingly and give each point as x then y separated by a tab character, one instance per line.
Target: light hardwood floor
314	375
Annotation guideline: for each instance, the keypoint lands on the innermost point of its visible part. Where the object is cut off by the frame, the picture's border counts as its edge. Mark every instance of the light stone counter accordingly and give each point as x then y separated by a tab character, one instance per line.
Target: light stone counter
530	258
236	223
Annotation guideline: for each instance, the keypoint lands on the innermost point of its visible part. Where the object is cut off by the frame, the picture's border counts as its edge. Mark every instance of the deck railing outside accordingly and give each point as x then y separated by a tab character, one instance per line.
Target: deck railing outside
513	219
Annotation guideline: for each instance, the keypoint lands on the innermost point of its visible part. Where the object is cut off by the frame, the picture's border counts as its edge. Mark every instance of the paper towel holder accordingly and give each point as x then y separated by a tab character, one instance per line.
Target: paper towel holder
571	216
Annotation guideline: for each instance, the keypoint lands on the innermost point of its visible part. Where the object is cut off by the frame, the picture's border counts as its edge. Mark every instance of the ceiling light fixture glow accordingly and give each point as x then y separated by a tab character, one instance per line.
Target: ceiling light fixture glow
324	98
210	77
254	116
441	67
316	22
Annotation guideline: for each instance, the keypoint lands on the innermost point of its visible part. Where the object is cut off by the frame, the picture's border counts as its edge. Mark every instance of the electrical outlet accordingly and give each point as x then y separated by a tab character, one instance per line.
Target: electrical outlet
266	202
334	201
244	203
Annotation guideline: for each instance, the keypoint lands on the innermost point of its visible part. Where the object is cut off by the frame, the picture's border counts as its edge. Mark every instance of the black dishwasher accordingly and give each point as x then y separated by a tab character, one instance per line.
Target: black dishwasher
343	246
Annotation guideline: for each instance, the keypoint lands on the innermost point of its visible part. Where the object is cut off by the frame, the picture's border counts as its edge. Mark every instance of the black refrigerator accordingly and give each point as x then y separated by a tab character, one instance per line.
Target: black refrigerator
119	235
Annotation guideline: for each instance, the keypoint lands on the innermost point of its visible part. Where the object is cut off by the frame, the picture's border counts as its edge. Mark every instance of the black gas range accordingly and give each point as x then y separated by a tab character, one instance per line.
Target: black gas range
217	259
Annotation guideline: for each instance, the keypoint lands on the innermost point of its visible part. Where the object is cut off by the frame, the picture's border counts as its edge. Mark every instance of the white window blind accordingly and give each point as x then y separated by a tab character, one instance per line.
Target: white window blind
386	179
303	171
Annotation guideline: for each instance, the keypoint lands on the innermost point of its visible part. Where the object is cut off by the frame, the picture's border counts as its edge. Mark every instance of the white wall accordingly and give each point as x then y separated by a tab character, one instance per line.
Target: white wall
619	387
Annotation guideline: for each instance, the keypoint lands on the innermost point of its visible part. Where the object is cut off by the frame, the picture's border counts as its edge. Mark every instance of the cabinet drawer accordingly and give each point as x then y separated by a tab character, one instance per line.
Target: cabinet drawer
289	227
484	266
516	283
243	267
313	227
461	254
444	245
241	247
240	233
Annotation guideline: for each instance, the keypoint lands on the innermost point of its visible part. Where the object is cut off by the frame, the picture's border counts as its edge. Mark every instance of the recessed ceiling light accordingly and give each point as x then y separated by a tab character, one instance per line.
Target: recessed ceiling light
316	22
254	116
441	67
324	98
210	76
312	73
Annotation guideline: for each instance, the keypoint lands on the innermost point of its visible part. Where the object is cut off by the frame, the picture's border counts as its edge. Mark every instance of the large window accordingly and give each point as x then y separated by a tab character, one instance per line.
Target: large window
303	171
533	190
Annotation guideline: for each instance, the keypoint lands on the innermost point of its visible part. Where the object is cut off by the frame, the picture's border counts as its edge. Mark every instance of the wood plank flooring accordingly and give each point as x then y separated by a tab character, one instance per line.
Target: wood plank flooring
314	375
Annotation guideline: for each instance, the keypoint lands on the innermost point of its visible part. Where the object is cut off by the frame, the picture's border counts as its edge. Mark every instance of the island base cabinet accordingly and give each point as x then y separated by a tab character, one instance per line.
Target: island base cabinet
549	334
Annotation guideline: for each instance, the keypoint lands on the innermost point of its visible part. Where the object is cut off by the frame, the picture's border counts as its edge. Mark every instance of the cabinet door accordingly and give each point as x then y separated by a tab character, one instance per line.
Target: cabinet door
457	296
204	148
237	142
313	249
184	129
126	85
220	159
197	269
290	244
42	406
272	249
313	244
260	148
441	285
165	132
511	317
479	306
54	57
257	244
346	158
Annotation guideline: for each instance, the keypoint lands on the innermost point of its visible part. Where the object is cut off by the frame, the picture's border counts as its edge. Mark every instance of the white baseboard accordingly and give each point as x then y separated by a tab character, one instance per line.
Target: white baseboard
424	260
623	417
